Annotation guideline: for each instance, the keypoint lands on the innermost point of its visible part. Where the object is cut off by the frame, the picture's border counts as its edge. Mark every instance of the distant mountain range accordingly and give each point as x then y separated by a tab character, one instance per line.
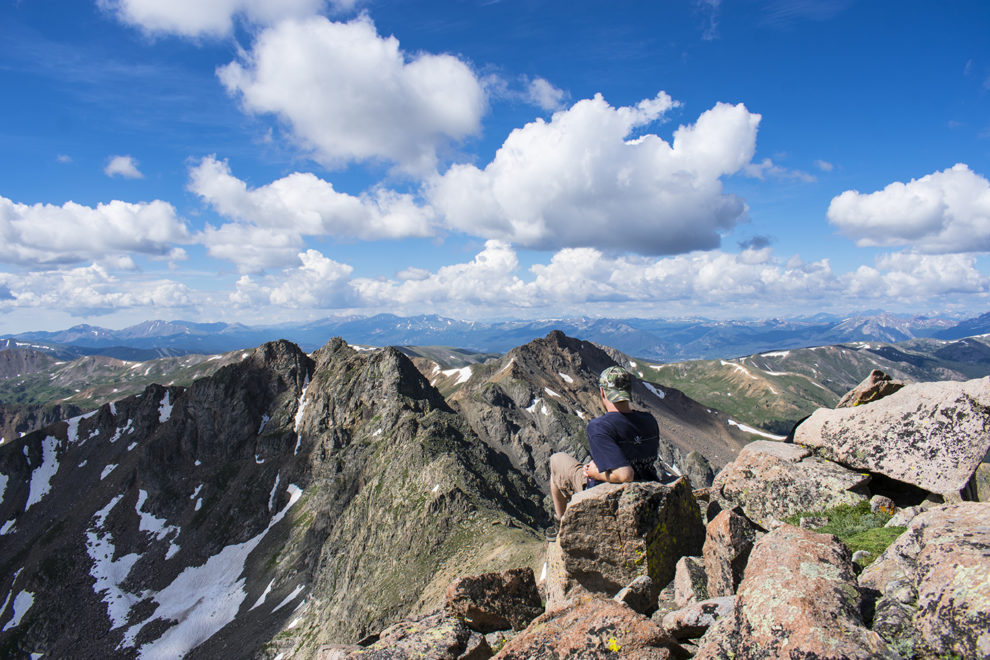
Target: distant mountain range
655	339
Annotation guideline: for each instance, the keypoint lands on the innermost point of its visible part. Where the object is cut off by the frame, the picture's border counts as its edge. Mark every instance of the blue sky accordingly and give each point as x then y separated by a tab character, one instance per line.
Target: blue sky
267	161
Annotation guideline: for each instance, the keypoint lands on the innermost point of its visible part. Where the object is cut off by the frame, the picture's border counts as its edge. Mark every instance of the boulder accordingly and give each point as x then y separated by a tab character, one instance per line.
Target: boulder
613	533
944	558
931	435
438	635
591	627
729	539
496	601
875	386
798	599
772	480
882	504
690	581
639	595
692	621
981	483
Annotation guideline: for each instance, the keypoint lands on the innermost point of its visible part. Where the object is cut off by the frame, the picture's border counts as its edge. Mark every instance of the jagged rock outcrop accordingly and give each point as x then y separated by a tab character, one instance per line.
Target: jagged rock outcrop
611	534
496	601
934	583
320	497
770	480
875	386
931	435
19	420
729	538
798	599
591	627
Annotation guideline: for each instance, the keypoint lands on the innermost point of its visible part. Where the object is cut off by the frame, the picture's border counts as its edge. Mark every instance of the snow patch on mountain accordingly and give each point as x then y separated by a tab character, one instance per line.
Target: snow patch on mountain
41	477
165	409
660	394
203	599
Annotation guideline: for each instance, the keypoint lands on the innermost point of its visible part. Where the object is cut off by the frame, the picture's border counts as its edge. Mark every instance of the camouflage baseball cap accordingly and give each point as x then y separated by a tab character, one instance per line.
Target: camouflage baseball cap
617	383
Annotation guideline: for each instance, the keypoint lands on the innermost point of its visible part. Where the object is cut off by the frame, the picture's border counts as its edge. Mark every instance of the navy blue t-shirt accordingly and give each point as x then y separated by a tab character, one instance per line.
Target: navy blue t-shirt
620	439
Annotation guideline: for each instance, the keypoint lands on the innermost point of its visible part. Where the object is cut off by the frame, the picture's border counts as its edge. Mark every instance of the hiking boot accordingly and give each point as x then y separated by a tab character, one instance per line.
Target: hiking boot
552	531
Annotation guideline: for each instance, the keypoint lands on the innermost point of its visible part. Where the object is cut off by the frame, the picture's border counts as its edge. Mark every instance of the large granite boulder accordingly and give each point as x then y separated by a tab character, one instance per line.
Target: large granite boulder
613	533
592	627
942	560
875	386
772	480
729	538
799	599
496	601
932	435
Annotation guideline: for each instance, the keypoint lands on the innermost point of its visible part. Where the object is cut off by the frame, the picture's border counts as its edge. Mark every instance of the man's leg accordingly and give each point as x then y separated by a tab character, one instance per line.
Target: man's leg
566	479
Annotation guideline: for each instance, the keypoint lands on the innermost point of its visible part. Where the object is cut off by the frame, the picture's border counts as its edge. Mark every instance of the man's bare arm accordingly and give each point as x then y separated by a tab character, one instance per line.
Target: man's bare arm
619	475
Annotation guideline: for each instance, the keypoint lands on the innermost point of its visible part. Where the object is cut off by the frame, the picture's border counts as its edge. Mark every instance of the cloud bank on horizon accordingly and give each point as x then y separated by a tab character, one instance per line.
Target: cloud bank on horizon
367	175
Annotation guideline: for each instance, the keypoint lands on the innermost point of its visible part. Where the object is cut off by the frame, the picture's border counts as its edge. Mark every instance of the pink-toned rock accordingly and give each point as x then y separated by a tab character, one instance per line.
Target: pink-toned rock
798	599
611	534
932	435
591	627
729	539
496	601
690	581
943	558
875	386
770	481
696	618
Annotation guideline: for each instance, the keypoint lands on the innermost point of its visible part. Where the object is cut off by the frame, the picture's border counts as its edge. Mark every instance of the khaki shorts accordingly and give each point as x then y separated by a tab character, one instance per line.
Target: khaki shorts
567	474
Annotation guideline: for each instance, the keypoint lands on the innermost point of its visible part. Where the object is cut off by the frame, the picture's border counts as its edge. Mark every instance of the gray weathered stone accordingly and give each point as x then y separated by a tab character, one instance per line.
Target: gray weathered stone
639	595
690	581
903	517
611	534
875	386
932	435
811	522
773	480
694	619
945	556
981	483
798	600
728	541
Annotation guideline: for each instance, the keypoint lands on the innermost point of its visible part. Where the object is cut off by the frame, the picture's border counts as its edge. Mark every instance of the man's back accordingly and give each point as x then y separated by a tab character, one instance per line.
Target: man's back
625	438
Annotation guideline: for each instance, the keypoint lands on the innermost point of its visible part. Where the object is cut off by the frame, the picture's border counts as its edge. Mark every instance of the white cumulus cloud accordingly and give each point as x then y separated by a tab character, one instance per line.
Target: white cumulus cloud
583	179
912	277
89	290
318	283
943	212
543	94
45	234
270	221
124	166
306	204
349	94
193	18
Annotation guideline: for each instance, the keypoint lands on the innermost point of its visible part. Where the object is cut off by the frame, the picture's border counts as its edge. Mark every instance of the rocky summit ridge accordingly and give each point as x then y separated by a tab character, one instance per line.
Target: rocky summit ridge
326	505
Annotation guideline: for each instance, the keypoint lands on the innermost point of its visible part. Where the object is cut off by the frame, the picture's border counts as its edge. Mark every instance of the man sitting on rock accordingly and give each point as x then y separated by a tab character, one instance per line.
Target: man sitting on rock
623	443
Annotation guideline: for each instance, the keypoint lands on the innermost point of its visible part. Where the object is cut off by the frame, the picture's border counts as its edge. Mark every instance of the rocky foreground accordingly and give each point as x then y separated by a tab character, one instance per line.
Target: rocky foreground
664	571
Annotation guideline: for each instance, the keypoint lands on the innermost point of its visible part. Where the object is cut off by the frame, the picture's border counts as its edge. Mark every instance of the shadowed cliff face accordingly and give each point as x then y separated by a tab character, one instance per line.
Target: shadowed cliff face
281	502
